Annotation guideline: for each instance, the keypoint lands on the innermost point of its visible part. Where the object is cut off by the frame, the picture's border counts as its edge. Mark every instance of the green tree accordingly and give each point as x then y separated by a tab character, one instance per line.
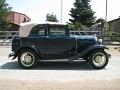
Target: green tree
101	25
51	18
78	26
82	13
101	22
4	11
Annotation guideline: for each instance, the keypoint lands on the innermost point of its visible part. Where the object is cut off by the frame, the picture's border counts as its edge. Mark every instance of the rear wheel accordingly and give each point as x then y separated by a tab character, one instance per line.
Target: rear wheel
99	59
27	59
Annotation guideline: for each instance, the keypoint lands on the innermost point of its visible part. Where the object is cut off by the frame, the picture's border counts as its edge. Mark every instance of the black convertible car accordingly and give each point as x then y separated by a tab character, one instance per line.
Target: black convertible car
51	41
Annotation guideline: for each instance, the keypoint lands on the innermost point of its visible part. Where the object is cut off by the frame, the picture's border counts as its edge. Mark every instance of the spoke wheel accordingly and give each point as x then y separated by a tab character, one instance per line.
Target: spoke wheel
27	58
99	59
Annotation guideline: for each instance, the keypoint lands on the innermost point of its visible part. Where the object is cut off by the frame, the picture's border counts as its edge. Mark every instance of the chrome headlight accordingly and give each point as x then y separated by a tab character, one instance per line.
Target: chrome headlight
100	41
95	37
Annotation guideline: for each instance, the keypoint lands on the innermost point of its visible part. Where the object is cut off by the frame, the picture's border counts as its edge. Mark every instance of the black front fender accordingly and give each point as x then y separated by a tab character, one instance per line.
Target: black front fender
91	49
26	46
88	51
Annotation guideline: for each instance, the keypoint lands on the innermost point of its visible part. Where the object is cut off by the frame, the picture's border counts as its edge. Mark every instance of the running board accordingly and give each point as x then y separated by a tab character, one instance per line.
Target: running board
76	57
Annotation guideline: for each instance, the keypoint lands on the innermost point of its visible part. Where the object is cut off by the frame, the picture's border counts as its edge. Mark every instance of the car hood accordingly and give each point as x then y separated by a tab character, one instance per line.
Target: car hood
88	37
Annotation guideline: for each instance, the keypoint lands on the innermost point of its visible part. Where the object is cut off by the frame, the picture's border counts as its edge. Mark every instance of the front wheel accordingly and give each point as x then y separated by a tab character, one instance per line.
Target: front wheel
99	59
27	59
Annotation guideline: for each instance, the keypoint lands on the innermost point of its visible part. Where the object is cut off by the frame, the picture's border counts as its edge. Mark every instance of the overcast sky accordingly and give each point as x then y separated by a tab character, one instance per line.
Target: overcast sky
37	9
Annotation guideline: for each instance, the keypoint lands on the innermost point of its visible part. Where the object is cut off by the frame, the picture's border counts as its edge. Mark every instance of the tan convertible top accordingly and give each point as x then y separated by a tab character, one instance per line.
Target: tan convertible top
25	28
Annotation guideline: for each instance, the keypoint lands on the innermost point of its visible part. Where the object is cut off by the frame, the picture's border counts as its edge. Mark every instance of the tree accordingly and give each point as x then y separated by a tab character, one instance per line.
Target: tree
82	13
101	25
4	11
101	21
51	18
78	26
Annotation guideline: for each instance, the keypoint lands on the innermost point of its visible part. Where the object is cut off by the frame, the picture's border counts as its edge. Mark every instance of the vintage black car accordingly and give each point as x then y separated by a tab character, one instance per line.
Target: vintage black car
51	41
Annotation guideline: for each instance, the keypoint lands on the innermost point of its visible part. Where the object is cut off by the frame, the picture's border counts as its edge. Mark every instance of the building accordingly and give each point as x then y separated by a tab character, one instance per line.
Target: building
16	18
115	25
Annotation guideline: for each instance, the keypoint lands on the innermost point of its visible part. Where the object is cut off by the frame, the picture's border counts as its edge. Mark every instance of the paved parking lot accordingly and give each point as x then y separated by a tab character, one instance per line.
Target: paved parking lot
59	75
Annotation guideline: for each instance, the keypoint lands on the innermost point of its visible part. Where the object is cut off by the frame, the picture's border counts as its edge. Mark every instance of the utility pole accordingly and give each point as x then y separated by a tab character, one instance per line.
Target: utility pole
106	16
61	10
105	29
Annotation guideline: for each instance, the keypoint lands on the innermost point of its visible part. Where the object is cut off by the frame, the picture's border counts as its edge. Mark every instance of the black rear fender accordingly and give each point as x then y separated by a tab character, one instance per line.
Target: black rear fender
31	47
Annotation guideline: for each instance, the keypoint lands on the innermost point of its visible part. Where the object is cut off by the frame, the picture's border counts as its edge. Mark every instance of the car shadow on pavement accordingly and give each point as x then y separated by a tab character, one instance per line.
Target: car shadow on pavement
62	65
11	65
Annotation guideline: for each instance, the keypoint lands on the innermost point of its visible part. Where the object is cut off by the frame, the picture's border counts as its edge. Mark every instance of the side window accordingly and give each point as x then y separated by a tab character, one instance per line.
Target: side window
57	31
38	30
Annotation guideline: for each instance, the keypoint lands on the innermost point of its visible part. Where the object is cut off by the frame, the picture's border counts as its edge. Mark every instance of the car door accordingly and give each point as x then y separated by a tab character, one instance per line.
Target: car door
38	38
59	42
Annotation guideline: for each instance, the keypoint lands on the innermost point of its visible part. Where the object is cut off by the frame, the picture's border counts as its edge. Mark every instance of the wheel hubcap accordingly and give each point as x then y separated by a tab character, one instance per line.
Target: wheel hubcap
99	59
27	59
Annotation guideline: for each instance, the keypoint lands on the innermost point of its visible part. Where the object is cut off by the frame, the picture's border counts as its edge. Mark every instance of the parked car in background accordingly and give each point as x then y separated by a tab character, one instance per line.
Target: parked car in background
51	41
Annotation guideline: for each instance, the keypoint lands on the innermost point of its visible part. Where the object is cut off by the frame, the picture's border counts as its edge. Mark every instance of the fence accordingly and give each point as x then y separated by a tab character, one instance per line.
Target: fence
111	40
7	36
98	33
108	40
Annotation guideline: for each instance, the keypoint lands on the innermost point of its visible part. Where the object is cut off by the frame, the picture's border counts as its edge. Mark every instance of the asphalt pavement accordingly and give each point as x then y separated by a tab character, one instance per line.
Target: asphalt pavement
59	72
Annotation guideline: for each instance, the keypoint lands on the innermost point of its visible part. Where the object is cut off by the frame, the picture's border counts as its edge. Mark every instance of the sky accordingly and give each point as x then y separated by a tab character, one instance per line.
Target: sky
37	9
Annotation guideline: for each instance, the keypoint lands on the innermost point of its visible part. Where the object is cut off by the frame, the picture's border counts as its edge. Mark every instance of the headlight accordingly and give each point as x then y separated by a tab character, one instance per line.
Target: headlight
95	37
100	41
